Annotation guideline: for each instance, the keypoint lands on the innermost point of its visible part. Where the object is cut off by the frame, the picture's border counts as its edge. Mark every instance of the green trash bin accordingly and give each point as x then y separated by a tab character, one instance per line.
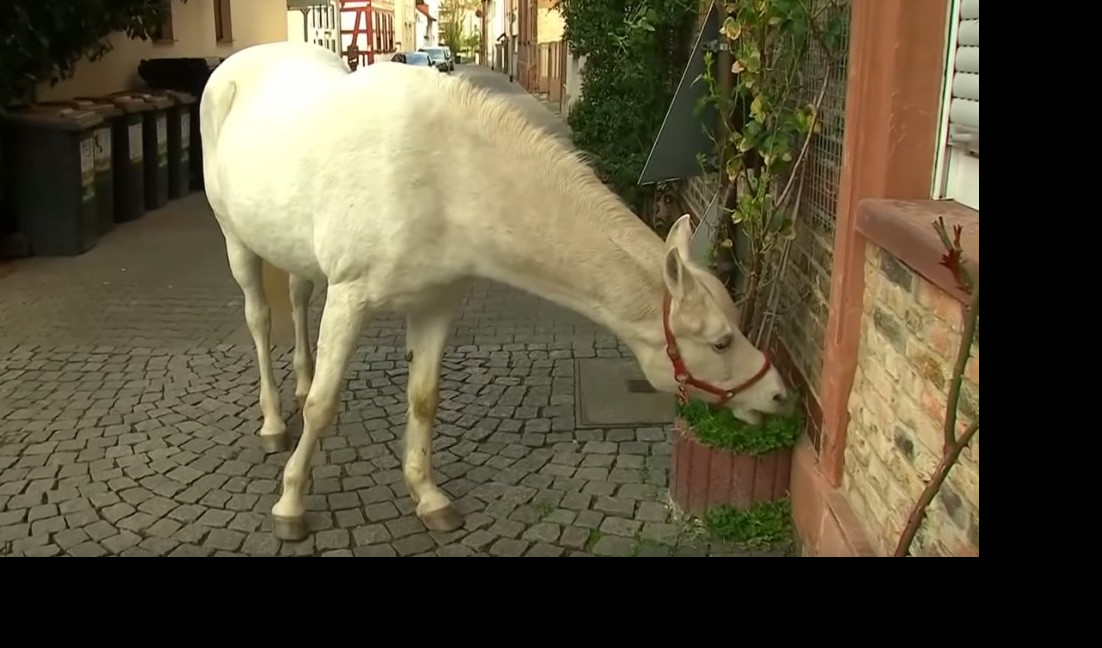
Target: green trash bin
51	151
179	142
127	155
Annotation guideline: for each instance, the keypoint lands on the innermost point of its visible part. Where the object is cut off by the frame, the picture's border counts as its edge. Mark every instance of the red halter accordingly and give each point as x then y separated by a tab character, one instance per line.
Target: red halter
683	376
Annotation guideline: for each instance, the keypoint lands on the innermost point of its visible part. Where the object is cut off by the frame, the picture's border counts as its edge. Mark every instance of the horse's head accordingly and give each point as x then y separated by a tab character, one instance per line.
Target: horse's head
703	346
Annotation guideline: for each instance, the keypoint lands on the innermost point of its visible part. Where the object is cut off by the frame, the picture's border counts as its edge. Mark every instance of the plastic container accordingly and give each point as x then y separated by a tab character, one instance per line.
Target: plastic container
179	142
155	149
188	75
127	135
105	174
50	151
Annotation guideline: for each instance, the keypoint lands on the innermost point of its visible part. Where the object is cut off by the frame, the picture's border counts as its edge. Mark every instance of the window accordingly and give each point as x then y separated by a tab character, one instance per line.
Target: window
164	33
957	175
378	32
223	21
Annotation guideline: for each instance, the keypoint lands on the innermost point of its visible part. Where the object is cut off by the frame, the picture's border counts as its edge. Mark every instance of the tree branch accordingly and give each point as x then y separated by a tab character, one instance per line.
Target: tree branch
963	353
918	513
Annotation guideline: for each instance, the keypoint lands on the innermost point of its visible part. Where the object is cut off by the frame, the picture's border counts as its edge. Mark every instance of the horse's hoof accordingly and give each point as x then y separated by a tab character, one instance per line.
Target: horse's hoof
289	529
272	443
442	520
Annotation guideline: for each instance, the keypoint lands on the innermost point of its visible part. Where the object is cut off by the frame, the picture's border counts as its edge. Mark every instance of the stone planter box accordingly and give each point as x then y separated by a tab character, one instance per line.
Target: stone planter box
703	477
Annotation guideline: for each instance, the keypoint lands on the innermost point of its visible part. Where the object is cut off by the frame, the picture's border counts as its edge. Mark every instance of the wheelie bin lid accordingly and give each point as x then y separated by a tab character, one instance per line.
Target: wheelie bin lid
101	107
124	101
182	98
56	117
159	102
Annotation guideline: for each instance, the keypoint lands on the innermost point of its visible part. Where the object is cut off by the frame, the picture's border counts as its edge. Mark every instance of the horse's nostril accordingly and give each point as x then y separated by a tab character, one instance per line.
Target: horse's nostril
778	397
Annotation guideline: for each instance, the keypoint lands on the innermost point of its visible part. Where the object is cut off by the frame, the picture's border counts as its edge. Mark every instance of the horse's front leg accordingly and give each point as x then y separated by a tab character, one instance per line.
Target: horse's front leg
426	332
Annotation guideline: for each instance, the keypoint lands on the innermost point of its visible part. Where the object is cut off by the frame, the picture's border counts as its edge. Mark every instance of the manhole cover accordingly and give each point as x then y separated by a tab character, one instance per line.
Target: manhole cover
614	393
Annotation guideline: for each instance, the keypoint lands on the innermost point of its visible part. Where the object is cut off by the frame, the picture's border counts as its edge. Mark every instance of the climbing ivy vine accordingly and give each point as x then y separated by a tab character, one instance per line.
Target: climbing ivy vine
767	128
635	51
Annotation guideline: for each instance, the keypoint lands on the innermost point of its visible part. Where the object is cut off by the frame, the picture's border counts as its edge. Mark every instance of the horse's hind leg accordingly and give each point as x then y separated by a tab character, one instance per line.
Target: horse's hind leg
341	321
426	332
246	268
301	291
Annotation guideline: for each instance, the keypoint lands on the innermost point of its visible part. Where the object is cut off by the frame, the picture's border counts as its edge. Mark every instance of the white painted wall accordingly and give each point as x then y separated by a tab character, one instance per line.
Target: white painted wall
254	22
574	67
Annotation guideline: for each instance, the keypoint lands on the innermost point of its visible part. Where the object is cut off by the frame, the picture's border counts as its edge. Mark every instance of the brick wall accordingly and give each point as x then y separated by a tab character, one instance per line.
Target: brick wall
910	331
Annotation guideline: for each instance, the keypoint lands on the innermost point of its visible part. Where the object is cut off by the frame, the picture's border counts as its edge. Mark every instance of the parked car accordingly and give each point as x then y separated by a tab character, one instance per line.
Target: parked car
441	57
419	59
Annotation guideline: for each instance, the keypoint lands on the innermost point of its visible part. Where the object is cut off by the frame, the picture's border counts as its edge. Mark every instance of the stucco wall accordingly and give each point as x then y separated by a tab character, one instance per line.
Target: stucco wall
254	21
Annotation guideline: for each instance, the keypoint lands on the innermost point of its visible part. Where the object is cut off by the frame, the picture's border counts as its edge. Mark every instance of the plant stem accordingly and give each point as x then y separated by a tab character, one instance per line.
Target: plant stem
963	353
918	513
953	446
807	140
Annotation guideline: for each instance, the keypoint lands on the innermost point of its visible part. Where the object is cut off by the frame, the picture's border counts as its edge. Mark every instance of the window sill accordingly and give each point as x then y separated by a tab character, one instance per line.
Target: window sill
905	229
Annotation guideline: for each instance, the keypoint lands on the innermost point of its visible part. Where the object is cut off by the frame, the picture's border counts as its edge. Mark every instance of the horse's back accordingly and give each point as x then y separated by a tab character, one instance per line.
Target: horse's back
315	168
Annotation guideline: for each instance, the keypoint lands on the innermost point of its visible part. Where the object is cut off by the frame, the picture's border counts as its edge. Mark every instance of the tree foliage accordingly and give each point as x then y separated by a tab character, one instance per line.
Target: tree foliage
635	51
44	40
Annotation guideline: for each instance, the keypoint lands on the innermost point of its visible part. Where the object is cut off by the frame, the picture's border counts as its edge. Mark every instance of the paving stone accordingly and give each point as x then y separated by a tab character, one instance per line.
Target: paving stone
454	551
413	544
620	526
651	512
611	545
121	542
261	544
375	551
371	534
659	533
507	547
542	532
615	506
333	539
87	550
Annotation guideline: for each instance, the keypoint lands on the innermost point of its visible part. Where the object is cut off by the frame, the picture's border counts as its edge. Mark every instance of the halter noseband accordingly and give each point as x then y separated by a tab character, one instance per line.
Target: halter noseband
684	377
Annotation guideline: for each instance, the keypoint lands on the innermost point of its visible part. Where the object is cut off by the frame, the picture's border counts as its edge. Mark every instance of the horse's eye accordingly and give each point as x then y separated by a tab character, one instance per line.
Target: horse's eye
722	344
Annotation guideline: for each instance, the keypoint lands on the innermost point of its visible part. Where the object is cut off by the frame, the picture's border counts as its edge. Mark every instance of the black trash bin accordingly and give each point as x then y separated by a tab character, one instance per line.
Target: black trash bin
51	153
105	174
155	149
127	155
179	142
188	75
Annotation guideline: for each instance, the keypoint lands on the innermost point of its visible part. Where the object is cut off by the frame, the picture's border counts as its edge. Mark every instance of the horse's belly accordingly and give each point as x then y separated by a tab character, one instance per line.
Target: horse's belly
277	237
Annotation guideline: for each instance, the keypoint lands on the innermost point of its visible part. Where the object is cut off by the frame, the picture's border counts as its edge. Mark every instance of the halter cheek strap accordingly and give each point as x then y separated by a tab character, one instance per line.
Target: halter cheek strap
684	377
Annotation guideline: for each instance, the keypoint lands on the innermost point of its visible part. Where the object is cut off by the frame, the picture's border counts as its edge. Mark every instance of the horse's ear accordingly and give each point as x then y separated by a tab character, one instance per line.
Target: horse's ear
680	281
680	235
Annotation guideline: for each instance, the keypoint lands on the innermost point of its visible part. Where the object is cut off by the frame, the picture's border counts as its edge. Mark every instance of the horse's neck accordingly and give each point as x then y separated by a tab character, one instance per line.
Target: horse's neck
603	266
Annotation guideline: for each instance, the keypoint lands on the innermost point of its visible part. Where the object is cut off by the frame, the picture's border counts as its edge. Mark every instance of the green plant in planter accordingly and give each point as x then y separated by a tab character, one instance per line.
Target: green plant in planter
762	523
718	428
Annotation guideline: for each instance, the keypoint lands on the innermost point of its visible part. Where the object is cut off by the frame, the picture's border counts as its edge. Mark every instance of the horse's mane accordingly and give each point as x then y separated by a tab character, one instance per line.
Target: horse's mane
503	122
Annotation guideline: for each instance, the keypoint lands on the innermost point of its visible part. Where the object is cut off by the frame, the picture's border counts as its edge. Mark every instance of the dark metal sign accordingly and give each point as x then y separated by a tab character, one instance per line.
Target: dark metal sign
682	136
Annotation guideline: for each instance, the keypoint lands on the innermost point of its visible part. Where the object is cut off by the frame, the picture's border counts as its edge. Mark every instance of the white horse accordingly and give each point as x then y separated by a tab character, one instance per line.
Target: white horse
396	186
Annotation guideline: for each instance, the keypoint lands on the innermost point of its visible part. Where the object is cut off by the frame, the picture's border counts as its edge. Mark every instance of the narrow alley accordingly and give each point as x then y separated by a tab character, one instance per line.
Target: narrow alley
129	417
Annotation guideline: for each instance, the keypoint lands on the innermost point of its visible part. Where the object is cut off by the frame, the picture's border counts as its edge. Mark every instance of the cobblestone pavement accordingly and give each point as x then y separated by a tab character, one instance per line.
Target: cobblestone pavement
128	421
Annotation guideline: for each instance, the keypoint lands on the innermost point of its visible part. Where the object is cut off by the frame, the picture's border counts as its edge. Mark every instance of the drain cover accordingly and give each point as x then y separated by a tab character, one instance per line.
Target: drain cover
614	393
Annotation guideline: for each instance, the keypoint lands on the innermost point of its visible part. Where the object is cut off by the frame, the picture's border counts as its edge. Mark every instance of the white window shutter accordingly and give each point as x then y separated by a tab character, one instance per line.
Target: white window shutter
964	109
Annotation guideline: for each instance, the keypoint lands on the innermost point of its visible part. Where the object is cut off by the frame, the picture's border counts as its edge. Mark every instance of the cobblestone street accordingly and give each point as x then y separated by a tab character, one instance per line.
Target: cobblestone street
129	418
